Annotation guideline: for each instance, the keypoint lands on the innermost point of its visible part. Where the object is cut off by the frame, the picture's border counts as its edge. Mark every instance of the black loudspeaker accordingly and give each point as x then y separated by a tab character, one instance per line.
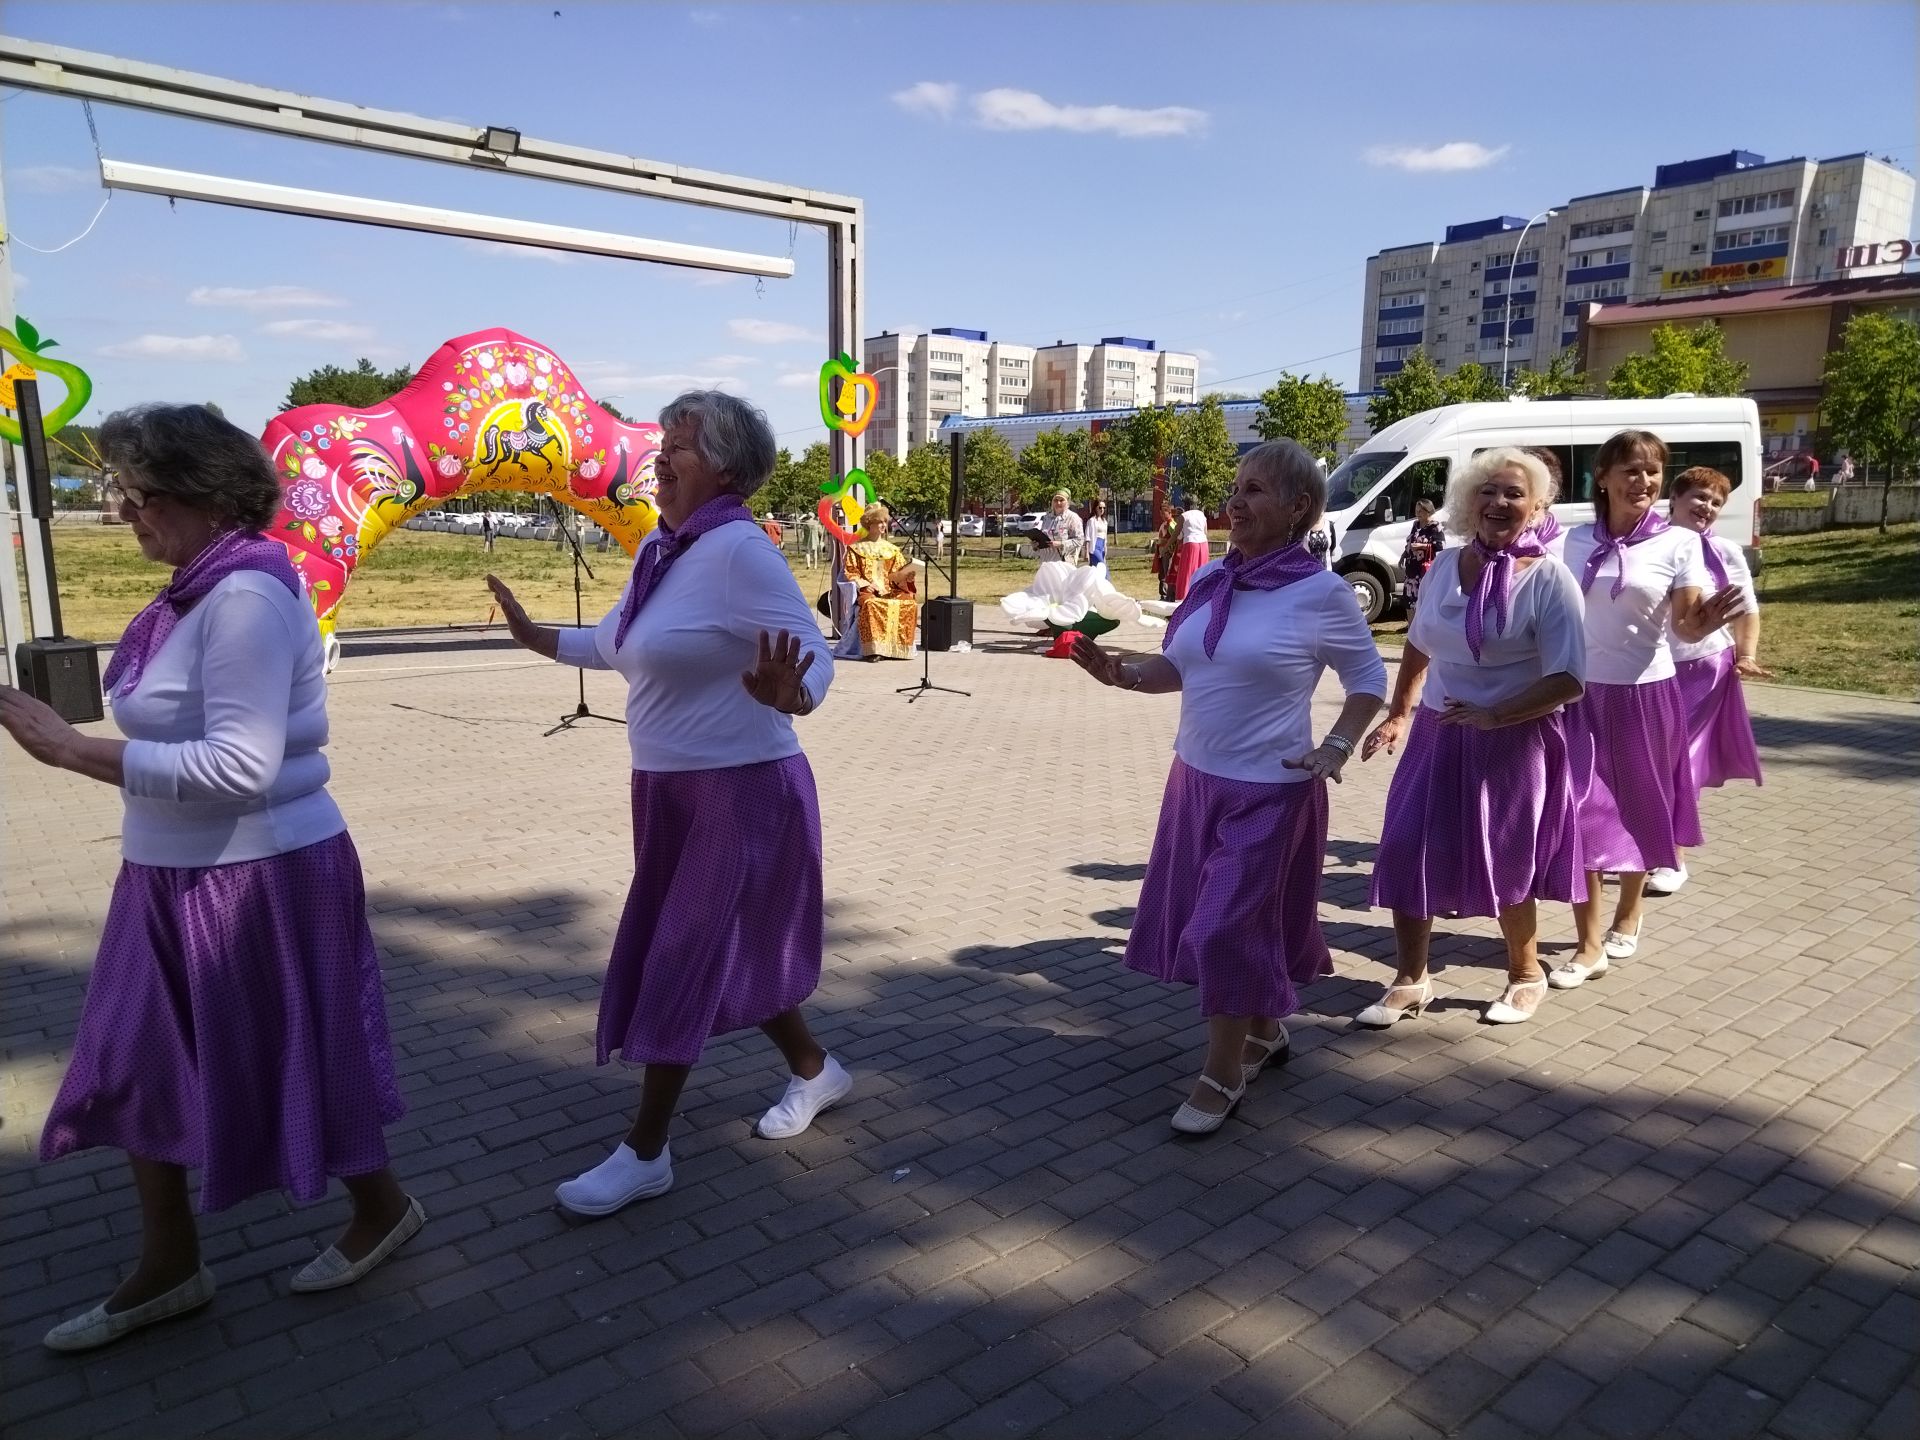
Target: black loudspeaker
945	622
63	673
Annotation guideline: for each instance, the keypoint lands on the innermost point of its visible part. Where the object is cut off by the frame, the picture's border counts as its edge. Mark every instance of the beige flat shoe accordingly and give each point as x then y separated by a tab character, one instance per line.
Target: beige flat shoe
96	1328
1189	1121
330	1269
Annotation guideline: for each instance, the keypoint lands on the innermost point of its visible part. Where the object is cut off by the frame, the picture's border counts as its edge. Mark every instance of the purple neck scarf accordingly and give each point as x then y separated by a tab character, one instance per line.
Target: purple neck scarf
1715	565
1604	544
1547	529
657	557
236	550
1214	592
1495	586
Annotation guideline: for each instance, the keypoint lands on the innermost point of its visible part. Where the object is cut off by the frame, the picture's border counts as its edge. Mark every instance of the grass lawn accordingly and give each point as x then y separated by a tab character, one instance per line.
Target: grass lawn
1795	500
1842	607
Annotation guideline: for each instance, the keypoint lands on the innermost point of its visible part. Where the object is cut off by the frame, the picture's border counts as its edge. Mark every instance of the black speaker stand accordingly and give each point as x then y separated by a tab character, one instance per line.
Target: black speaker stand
581	711
926	685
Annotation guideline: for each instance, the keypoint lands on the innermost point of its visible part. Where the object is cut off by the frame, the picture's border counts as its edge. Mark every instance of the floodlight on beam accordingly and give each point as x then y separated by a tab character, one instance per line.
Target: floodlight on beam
391	214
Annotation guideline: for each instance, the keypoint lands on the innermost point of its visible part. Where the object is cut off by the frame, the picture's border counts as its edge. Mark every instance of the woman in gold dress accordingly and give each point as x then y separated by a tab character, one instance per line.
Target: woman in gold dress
887	590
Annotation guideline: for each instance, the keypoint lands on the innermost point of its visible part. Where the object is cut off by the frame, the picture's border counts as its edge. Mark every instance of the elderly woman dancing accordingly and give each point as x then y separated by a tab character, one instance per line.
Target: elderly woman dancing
722	928
1232	893
1711	671
234	1019
1644	581
1481	814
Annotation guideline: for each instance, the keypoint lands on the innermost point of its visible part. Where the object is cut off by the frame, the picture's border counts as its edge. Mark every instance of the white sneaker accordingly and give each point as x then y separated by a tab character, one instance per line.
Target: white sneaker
804	1100
1664	881
617	1182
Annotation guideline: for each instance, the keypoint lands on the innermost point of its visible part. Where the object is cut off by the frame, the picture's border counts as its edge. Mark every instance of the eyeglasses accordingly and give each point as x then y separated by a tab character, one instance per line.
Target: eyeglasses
119	492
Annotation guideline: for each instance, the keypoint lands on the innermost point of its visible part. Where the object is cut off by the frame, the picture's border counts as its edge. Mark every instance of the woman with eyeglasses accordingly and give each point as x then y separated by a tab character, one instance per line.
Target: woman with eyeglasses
234	1021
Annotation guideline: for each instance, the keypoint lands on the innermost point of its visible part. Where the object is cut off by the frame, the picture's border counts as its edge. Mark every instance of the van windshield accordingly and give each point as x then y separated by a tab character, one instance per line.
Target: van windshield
1348	485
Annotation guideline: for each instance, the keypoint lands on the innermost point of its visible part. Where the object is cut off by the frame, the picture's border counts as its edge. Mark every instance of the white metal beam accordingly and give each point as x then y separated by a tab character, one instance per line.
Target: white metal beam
85	74
390	214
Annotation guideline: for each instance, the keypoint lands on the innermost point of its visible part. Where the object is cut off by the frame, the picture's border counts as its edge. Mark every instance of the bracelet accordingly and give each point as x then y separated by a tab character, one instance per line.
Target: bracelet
1744	655
1340	743
1133	677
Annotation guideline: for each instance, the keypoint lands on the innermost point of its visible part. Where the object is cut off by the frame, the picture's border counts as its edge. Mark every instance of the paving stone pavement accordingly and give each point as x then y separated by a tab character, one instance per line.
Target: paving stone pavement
1680	1202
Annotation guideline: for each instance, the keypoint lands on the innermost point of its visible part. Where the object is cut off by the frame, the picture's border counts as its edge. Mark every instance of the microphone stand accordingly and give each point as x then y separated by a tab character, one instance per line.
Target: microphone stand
926	685
580	711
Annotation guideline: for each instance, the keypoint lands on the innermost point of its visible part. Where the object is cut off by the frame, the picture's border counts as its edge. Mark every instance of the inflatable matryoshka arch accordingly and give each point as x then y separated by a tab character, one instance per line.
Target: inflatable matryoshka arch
488	411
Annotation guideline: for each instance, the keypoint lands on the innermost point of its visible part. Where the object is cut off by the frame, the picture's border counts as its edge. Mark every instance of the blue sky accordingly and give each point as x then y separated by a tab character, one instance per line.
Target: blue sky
1211	177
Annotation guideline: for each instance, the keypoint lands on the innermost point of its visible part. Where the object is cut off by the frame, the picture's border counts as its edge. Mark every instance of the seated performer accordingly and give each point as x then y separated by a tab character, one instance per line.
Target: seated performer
886	585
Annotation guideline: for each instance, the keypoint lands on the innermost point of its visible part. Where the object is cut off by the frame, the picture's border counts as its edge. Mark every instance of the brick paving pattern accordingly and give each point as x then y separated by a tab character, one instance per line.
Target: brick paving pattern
1679	1203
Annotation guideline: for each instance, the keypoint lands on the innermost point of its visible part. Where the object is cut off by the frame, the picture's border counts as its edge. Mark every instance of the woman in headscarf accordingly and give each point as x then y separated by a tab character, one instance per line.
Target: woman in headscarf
885	589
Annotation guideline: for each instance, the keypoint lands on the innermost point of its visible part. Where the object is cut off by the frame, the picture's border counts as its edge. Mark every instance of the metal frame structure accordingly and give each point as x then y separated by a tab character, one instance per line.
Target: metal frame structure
87	75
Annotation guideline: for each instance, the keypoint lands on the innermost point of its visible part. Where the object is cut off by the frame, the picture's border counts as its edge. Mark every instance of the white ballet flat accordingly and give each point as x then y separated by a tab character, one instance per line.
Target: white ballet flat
1278	1051
1189	1121
1665	881
96	1328
1571	974
1505	1011
330	1270
1619	945
1380	1014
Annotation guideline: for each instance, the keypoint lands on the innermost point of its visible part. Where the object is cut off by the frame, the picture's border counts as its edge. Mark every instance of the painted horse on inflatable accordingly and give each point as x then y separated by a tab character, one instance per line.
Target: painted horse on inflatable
492	410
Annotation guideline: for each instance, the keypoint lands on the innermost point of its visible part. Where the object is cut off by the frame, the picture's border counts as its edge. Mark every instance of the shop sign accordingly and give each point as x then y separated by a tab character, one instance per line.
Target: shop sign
1887	252
1735	273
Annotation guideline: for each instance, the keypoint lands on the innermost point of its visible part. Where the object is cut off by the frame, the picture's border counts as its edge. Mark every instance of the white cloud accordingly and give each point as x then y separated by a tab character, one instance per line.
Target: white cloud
616	382
798	380
728	362
929	97
224	348
771	332
19	281
1023	110
314	329
1454	155
52	179
1203	358
518	252
706	17
265	297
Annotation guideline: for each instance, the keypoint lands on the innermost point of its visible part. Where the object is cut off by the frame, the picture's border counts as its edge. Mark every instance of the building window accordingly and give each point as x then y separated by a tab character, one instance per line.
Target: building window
1473	294
1750	204
1698	247
1601	257
1700	214
1441	338
1765	235
1403	274
950	357
1403	301
1400	327
1658	237
1618	224
1474	266
1446	284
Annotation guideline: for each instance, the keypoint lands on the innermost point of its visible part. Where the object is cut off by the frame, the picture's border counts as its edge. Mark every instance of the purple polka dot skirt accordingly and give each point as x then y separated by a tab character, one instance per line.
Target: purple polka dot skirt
1640	803
1479	821
722	928
1231	902
1719	730
235	1022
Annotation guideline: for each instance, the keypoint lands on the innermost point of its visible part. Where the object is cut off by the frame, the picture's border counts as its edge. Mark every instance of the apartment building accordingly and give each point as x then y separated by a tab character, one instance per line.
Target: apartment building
925	378
1514	290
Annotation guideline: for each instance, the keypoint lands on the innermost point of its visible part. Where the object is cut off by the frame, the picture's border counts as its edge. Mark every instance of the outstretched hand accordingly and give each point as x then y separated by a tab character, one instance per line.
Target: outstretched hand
1104	667
35	724
1384	736
778	678
519	624
1323	762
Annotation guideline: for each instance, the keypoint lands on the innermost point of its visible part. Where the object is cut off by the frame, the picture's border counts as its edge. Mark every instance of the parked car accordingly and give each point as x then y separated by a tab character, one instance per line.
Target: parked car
973	526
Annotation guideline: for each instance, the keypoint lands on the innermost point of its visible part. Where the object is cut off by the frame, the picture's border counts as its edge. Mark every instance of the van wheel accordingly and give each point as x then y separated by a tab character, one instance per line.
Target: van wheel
1371	591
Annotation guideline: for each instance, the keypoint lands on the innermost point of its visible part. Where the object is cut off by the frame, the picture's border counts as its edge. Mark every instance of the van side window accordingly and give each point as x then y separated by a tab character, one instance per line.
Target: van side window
1422	480
1721	455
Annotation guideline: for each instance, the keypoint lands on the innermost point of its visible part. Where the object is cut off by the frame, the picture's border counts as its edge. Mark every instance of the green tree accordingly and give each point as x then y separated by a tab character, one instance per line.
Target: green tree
1689	361
1313	412
990	474
1136	448
614	410
1472	381
1872	401
921	483
1561	377
1414	387
360	388
1208	456
211	405
1056	460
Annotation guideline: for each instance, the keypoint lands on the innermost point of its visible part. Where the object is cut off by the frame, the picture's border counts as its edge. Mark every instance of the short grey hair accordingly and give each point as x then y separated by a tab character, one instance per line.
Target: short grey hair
197	457
1465	482
1291	466
735	438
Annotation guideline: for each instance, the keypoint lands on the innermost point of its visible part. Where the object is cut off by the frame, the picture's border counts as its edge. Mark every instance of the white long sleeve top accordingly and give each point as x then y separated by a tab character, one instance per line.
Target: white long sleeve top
225	733
688	646
1630	638
1737	574
1250	706
1545	634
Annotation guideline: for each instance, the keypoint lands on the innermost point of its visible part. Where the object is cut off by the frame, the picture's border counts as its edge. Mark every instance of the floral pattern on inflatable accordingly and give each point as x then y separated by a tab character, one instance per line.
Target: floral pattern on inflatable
488	411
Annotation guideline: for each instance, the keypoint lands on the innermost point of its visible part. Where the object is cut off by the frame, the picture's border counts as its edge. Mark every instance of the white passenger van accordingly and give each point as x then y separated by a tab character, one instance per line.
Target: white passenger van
1370	497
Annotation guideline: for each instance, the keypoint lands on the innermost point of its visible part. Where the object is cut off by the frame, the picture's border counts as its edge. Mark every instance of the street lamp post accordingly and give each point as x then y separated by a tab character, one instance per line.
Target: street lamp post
1506	329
